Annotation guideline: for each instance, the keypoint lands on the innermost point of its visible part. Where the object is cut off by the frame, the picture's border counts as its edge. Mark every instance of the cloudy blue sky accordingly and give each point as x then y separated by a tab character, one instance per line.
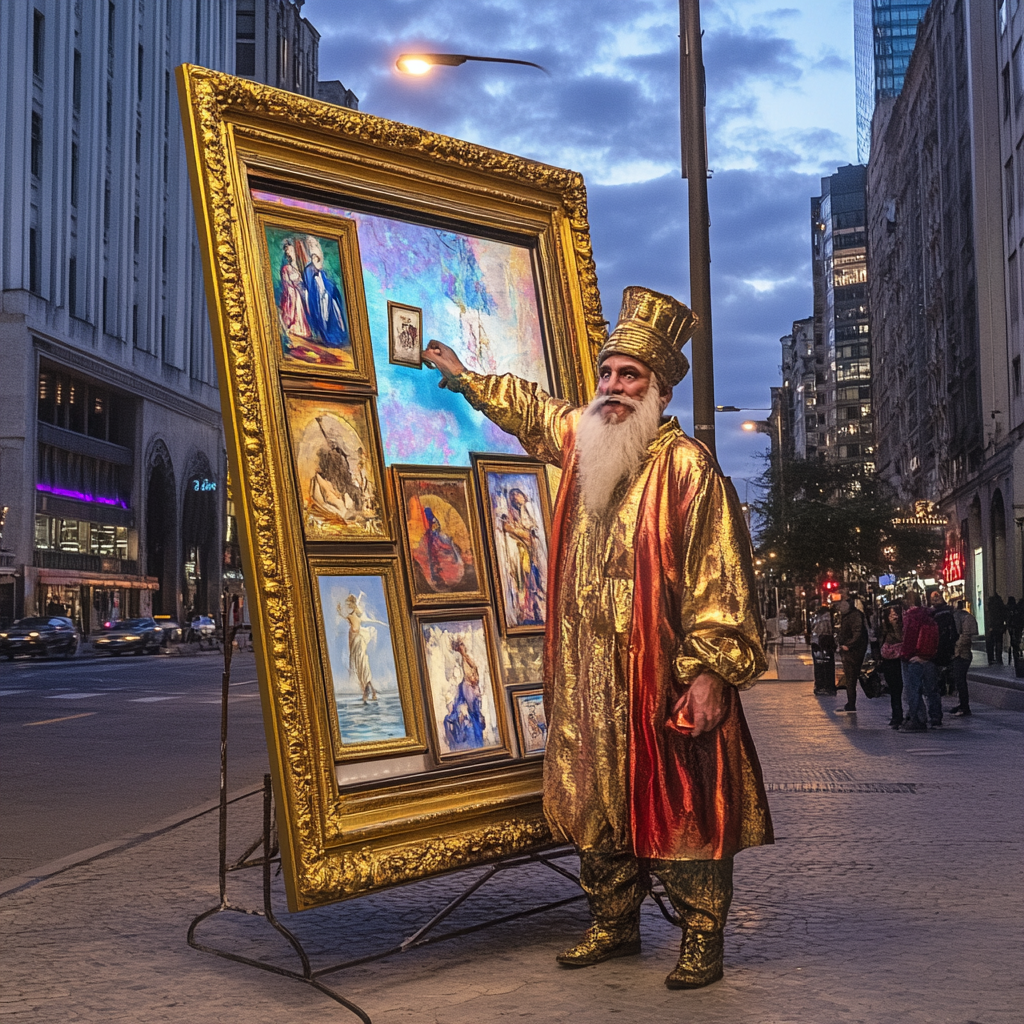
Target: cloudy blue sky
780	115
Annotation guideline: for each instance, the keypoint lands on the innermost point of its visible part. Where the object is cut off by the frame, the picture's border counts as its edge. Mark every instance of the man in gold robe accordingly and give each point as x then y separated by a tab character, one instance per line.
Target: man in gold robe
652	630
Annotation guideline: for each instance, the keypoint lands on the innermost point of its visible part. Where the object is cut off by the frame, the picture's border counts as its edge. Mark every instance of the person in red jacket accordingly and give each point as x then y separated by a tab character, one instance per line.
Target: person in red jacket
920	673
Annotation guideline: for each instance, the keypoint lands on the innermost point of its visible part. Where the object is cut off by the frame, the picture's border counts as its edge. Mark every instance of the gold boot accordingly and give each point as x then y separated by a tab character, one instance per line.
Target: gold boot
604	942
700	960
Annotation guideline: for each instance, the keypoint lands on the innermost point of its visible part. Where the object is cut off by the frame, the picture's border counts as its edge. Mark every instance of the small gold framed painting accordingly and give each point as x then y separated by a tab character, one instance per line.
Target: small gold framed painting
405	335
335	448
517	520
441	537
366	652
460	668
529	719
314	285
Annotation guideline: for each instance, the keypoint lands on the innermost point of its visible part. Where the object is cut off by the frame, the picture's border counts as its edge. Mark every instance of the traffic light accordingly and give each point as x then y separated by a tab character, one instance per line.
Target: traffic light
829	589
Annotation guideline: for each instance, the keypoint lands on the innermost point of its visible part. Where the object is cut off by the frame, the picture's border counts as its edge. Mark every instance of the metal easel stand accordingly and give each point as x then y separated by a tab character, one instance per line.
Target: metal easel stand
271	855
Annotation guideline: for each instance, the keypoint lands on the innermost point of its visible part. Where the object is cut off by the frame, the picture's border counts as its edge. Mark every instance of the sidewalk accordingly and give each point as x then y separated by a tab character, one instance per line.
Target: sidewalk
891	896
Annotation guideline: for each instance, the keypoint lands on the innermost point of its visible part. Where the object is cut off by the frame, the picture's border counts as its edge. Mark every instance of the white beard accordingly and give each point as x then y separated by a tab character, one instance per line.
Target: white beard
612	452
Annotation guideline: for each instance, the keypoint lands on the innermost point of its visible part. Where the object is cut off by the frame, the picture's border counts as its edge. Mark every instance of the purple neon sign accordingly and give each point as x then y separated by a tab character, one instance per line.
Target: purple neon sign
61	492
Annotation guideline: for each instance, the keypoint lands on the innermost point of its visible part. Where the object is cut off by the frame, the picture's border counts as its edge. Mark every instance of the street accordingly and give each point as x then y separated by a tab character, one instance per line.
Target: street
890	897
94	748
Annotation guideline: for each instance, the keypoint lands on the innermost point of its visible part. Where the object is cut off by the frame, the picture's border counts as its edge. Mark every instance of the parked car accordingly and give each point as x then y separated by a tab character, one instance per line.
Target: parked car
41	636
203	625
135	635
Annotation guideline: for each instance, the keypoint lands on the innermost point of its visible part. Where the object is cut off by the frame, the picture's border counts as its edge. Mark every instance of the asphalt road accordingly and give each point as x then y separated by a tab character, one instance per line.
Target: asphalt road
95	748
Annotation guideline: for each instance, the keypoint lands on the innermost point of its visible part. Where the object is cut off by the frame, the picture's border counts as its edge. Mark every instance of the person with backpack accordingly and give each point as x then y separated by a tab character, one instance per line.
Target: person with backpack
948	633
853	645
920	674
967	630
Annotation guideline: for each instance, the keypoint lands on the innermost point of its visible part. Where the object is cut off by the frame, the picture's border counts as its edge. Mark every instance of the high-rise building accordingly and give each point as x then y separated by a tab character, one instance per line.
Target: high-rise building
884	32
839	249
111	448
801	365
945	192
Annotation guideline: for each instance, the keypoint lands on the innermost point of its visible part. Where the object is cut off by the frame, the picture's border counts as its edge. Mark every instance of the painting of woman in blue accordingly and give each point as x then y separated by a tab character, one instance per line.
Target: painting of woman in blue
464	724
324	299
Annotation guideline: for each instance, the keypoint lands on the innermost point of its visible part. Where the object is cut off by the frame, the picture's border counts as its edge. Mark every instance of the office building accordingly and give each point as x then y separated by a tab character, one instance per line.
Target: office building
111	449
884	32
944	198
843	410
802	366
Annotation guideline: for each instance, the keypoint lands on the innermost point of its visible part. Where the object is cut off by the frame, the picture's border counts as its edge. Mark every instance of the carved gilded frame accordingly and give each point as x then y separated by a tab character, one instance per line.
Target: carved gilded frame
339	841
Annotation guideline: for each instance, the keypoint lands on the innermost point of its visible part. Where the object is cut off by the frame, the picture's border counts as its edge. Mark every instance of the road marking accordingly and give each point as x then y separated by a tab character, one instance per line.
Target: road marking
233	699
11	693
66	718
150	700
73	696
246	682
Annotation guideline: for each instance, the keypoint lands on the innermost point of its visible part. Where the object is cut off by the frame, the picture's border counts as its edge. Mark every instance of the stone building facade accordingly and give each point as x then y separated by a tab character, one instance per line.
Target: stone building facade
941	276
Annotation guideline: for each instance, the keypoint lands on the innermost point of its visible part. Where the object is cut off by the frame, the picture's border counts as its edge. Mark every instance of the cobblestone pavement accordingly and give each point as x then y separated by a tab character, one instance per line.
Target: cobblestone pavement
893	895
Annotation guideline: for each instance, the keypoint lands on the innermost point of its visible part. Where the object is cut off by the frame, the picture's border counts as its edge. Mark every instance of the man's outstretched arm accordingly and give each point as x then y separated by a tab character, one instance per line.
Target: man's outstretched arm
519	407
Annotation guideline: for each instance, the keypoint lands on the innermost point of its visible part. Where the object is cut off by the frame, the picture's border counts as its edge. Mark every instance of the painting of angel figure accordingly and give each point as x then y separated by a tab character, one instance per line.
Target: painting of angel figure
309	297
361	659
530	720
457	654
441	535
337	468
518	519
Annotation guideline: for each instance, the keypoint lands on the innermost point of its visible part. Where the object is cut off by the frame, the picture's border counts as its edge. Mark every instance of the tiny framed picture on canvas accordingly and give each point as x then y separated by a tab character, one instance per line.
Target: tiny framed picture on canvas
405	335
528	716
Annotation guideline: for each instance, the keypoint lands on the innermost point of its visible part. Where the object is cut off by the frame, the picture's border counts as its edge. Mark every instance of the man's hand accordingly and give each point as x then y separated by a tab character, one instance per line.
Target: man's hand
702	707
441	356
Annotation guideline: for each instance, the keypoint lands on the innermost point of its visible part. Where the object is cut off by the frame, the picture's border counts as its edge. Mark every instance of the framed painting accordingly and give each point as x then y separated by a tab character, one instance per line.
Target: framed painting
438	521
369	674
405	335
311	219
460	670
517	520
529	719
339	477
314	291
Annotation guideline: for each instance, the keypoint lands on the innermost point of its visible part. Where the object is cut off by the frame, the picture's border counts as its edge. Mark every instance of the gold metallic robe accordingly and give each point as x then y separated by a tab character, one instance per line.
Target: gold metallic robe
640	602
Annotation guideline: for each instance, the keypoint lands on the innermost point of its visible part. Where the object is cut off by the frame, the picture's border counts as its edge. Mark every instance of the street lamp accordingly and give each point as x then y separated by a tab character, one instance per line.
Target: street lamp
421	63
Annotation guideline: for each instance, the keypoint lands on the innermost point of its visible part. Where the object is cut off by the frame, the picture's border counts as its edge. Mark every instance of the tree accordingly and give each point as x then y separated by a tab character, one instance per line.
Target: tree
815	515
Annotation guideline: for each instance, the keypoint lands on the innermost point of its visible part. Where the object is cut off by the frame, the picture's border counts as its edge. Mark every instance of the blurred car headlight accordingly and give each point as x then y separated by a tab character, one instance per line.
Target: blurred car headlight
33	634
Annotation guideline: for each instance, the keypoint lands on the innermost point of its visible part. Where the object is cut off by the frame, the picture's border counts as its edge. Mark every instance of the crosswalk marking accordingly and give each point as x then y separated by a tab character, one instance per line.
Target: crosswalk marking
151	700
11	693
73	696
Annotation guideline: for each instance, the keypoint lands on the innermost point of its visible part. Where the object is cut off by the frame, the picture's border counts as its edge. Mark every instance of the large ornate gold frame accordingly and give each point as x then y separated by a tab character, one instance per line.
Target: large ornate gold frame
338	842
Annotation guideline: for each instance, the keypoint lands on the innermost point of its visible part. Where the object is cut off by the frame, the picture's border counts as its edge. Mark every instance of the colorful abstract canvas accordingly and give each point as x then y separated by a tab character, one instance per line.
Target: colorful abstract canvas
361	659
337	468
478	295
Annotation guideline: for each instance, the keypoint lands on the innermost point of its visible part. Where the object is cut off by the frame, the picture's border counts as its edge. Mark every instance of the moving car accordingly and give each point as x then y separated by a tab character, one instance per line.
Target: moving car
135	635
41	636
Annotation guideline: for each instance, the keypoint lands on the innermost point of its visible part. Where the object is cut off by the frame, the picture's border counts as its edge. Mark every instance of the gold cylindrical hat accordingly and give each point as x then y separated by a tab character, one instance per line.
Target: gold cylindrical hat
652	328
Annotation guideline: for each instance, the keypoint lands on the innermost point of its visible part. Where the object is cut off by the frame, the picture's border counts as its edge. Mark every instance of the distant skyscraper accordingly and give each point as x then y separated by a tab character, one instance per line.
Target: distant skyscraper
884	32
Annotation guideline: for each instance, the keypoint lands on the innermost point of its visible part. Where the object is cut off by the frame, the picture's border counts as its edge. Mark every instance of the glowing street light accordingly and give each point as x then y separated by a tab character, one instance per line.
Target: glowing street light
421	63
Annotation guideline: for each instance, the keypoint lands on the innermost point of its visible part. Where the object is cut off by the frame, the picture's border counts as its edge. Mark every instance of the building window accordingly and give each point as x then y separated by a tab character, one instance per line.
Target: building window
110	38
110	112
74	174
245	37
1018	75
135	325
1013	273
163	338
138	144
1009	190
76	82
33	261
140	73
73	286
166	162
103	303
36	150
1002	16
106	206
38	38
1016	376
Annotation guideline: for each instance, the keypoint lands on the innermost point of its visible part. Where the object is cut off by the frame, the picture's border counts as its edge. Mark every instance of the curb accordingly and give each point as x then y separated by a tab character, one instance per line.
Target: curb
25	880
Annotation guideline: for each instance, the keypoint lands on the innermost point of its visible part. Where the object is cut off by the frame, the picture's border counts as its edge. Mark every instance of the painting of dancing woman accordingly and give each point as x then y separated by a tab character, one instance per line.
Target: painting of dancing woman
360	635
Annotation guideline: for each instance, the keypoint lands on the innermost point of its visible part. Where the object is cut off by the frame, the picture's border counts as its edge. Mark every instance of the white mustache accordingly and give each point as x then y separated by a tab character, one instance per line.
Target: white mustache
603	400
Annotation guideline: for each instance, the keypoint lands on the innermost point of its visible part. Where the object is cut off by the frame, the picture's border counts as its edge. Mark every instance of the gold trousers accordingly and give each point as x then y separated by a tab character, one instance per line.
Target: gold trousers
616	884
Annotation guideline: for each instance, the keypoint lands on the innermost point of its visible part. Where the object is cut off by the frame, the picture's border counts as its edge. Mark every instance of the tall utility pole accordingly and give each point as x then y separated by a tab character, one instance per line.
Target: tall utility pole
693	124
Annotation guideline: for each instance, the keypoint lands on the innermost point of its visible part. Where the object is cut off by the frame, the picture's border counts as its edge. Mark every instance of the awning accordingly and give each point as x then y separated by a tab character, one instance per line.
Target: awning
70	578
